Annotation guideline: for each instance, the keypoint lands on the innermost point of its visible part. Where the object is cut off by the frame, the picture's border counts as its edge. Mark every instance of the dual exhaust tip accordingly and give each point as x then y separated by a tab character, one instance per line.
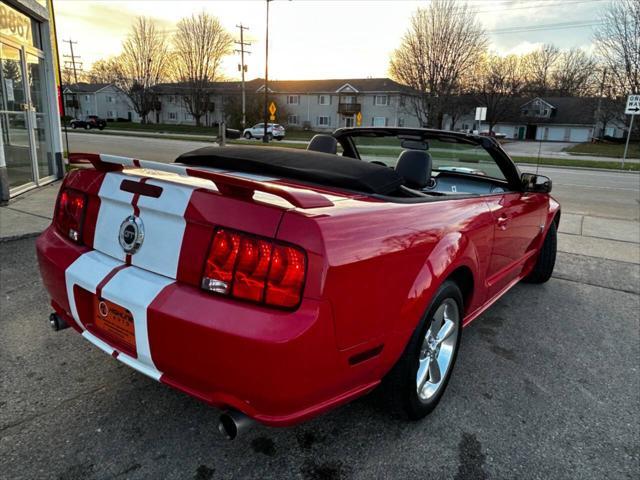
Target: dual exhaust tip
232	422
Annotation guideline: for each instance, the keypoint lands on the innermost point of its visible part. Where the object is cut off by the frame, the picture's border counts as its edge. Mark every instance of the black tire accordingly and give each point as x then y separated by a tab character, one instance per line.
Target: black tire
247	135
543	268
101	127
74	126
400	384
279	138
87	126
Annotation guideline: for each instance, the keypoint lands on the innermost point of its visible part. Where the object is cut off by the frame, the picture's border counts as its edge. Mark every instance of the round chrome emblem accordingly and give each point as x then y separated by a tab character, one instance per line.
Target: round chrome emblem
131	234
103	309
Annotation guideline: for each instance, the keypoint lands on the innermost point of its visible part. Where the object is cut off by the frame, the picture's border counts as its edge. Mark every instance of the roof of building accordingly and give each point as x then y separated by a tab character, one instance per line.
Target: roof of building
357	85
83	87
571	110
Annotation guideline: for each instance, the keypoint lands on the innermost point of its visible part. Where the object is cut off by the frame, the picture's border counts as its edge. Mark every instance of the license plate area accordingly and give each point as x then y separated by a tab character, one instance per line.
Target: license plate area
115	324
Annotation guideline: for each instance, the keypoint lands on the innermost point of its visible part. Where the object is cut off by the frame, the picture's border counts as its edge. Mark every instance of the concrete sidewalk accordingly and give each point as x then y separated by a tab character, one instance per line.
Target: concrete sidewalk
28	214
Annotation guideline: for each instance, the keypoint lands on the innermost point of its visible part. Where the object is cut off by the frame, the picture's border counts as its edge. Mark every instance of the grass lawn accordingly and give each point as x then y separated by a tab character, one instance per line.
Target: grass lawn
606	149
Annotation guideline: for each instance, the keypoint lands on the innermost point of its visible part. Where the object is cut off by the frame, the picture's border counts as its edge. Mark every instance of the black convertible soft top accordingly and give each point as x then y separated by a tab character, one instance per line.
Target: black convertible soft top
313	167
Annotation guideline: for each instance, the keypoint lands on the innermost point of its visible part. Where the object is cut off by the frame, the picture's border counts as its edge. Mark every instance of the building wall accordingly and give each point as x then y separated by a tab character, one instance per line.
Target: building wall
308	111
112	103
109	103
49	162
312	113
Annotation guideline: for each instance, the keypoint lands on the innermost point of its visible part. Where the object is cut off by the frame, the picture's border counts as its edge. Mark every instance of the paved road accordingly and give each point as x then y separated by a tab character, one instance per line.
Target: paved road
618	194
546	386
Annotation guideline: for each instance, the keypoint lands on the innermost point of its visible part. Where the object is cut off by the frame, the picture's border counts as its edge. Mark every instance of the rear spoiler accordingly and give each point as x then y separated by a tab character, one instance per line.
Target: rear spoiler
225	181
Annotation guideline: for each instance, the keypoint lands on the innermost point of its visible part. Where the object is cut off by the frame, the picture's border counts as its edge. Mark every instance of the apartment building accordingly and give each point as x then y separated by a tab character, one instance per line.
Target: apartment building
308	104
103	99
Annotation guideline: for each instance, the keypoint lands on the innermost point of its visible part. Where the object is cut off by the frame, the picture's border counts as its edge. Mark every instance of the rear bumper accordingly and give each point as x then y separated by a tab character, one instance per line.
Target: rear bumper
277	367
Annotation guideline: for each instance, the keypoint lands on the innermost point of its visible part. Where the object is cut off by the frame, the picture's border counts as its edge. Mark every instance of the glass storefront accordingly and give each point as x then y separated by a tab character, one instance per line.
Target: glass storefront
25	109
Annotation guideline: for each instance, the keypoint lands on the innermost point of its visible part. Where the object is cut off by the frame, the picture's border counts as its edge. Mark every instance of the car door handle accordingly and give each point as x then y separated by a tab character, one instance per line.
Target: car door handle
503	222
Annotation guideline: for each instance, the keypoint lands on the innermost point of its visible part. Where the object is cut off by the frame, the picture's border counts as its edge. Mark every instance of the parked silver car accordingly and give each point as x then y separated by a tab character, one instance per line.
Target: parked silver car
274	131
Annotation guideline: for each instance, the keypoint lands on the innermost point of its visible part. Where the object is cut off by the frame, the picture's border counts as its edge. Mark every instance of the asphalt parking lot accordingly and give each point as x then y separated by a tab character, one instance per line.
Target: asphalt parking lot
546	386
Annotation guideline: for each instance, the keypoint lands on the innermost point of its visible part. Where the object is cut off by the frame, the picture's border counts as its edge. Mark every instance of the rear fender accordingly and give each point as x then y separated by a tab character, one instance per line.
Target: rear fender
453	251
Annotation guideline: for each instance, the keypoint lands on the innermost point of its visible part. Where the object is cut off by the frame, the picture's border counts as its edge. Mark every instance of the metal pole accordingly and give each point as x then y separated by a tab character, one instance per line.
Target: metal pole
626	147
243	69
266	80
244	100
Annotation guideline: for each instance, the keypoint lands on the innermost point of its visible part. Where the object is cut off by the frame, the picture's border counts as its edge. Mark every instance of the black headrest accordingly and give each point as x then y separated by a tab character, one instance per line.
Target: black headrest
415	167
323	143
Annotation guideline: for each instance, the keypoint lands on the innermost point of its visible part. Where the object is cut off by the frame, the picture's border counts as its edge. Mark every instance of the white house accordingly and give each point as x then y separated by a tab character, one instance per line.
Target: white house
560	119
103	99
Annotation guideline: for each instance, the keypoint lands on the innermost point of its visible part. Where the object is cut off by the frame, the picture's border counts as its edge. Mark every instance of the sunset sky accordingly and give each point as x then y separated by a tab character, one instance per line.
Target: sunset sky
324	39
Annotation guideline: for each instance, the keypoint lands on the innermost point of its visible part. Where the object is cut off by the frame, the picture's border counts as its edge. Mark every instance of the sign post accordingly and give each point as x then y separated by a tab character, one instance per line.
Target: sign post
633	109
481	114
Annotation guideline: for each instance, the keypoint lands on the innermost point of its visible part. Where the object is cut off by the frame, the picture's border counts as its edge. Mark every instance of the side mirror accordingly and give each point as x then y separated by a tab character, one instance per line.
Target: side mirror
535	183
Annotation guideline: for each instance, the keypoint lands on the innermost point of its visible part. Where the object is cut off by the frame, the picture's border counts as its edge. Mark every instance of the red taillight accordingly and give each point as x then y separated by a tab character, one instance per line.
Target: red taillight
256	269
286	276
70	213
218	271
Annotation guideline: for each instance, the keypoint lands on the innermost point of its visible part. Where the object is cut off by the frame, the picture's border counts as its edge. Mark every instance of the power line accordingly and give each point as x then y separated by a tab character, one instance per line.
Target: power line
548	26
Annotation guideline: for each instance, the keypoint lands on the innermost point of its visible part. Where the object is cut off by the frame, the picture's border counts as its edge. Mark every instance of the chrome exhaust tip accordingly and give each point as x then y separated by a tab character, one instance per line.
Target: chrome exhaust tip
232	423
57	323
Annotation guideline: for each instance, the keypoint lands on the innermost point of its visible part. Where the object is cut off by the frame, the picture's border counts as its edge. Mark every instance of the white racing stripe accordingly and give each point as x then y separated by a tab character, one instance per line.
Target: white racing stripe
164	226
87	272
135	289
115	206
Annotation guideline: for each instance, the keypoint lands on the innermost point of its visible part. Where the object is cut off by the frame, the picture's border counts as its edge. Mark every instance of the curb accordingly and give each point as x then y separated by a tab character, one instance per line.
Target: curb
21	236
570	167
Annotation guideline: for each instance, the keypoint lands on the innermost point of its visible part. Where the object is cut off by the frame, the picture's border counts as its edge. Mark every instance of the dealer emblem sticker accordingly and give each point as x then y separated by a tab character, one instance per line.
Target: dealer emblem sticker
131	234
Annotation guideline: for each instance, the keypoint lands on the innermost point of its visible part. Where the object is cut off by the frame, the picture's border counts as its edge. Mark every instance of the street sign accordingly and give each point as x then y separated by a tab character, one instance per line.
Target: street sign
272	109
272	117
633	105
481	113
358	119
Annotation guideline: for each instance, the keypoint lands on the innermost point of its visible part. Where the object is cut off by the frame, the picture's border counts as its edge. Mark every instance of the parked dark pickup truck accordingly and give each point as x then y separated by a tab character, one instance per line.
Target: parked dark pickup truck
89	122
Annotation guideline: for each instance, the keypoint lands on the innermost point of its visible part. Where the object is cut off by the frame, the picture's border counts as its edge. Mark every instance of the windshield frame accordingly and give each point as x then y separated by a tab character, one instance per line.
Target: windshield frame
346	136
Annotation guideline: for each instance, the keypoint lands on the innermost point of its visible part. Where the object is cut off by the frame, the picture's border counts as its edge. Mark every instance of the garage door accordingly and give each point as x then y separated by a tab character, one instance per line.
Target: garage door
579	135
556	134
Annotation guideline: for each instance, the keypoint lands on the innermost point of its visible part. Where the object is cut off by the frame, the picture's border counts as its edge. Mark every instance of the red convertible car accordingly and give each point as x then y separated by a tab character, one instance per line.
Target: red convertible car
277	283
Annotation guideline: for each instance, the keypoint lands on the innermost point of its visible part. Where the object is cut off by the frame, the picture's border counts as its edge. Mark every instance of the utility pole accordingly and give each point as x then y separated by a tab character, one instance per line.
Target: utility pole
604	77
266	80
243	70
73	62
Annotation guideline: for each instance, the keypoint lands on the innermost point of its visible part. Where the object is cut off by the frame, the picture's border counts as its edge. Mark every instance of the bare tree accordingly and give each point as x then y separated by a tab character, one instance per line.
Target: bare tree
618	43
143	64
575	74
539	66
499	83
107	70
442	42
200	43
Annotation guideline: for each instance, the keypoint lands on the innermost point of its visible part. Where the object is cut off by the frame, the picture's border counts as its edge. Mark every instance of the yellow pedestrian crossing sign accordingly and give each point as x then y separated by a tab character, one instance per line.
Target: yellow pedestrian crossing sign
272	109
359	119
